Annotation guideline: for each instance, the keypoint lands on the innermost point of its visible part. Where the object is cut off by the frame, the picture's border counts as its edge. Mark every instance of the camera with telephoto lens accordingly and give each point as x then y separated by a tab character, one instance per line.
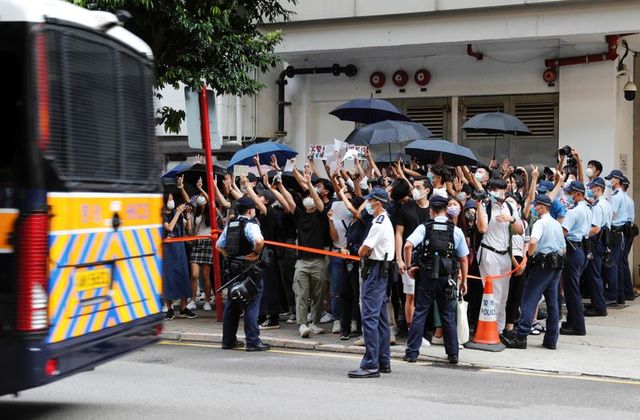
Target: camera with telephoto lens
566	151
479	195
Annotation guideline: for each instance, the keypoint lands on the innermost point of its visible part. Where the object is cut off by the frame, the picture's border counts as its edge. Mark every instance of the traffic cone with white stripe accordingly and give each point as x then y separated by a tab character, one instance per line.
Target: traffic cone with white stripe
486	336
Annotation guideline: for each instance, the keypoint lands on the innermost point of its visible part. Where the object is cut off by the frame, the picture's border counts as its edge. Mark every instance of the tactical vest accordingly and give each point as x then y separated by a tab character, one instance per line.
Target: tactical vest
438	253
238	245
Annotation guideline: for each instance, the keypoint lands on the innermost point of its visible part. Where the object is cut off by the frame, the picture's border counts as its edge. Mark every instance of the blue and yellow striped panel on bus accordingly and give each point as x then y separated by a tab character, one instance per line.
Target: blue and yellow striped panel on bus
100	277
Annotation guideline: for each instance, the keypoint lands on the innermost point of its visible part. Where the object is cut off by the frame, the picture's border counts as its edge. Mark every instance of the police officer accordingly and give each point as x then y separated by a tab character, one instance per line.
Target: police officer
546	259
576	226
443	249
241	243
377	251
630	233
615	279
601	216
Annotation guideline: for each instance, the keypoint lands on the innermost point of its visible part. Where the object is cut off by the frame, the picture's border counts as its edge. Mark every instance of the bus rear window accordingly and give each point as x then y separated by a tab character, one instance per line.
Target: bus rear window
100	101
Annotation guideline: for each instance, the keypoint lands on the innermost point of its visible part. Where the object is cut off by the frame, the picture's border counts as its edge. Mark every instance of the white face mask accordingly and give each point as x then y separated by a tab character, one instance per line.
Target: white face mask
479	176
588	172
171	204
442	192
417	194
308	203
201	201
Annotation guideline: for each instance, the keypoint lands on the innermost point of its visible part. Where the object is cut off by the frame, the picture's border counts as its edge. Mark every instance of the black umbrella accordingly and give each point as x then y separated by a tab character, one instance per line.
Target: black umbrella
387	132
434	151
368	111
496	123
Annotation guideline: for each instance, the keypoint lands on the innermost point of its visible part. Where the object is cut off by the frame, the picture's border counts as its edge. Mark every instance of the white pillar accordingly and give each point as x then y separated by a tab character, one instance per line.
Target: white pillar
454	120
239	120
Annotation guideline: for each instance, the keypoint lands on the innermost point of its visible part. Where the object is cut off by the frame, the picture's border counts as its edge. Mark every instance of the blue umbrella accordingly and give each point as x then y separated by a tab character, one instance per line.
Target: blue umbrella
177	170
264	150
368	111
432	151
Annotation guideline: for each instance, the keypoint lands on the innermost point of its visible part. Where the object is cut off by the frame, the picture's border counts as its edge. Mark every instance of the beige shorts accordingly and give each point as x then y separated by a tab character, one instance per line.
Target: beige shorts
408	285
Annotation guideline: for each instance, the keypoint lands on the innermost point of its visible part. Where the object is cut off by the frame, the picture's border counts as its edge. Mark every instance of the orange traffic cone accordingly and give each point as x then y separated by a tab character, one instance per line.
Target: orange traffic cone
486	336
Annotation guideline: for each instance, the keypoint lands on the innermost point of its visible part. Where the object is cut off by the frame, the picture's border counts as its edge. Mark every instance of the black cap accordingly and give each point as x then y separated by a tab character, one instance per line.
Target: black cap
543	200
597	182
615	174
246	202
575	186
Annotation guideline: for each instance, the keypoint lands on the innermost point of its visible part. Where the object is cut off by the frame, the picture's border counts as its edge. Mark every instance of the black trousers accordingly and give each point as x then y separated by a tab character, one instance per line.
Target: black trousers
350	298
516	288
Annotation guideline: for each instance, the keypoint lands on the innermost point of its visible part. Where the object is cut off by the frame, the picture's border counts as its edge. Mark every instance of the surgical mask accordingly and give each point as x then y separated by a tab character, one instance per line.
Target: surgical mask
608	183
417	194
462	197
369	208
588	172
570	200
479	176
496	196
590	193
534	212
308	203
317	190
453	211
430	176
171	204
201	201
442	192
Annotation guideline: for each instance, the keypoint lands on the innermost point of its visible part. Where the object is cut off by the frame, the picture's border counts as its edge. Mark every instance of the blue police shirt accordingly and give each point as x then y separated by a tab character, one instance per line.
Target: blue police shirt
601	213
631	211
251	231
577	222
618	205
548	234
459	241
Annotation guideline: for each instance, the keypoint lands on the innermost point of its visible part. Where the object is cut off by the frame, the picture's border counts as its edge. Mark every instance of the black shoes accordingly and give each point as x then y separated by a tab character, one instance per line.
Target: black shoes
186	313
568	330
549	346
511	340
593	312
169	315
237	345
364	373
344	337
259	347
385	369
410	359
453	359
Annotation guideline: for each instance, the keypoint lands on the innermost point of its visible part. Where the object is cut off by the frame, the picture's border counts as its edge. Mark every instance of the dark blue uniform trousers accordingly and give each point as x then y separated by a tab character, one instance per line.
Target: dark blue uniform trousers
231	319
629	293
427	291
540	281
615	283
375	324
593	276
571	284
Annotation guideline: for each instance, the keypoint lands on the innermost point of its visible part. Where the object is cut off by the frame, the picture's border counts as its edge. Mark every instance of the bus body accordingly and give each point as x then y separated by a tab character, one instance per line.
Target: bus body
80	204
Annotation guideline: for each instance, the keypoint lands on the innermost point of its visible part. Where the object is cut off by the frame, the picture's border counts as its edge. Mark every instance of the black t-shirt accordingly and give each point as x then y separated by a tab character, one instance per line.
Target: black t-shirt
268	224
410	215
309	234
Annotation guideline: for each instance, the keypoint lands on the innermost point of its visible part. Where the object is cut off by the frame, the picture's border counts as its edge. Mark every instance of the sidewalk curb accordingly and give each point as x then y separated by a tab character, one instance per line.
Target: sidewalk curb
397	352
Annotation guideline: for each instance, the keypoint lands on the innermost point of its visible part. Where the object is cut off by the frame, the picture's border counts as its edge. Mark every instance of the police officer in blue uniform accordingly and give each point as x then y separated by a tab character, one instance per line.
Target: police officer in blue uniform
630	232
241	243
441	251
576	226
615	277
546	260
601	216
377	251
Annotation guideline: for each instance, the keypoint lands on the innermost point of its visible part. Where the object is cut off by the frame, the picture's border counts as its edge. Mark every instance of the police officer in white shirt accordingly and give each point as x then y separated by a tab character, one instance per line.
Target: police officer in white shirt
494	258
377	251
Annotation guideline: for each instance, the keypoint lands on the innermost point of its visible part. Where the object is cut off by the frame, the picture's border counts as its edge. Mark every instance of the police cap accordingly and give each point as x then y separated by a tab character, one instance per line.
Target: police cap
575	186
598	182
246	202
615	174
544	187
625	181
438	201
543	200
379	194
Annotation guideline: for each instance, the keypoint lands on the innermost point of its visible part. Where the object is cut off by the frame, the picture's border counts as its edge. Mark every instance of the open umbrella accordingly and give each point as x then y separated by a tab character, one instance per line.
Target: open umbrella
264	150
368	111
388	132
496	123
432	151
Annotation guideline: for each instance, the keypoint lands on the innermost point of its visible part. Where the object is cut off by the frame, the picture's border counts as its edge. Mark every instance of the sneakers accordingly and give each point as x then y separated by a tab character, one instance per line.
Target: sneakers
304	331
316	329
207	307
291	319
425	343
326	318
164	309
344	337
269	325
186	313
359	341
192	306
511	340
437	340
169	315
336	327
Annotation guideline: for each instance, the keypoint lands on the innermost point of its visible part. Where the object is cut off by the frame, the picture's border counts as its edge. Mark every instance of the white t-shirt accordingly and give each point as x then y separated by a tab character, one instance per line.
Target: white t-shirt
381	238
200	227
497	235
341	222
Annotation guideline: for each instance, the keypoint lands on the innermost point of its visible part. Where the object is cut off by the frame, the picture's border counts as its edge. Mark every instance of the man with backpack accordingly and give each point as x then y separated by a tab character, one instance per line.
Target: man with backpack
497	221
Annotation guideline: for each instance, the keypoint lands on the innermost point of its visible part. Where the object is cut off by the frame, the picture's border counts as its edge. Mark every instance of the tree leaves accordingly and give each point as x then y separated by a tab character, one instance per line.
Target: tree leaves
196	42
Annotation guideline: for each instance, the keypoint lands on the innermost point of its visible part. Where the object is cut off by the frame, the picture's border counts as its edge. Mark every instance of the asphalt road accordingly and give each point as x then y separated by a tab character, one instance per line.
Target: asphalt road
187	381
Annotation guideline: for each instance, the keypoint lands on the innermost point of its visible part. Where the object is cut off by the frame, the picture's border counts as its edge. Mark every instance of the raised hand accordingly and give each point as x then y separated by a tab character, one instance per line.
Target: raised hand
256	160
180	182
199	183
534	171
274	163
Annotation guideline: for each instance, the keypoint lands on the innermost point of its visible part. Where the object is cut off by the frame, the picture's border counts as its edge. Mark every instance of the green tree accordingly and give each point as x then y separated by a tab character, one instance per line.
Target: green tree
216	42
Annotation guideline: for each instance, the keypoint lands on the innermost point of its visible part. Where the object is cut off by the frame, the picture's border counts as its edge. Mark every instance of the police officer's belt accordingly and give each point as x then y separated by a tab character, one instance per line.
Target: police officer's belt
617	229
552	261
576	244
492	249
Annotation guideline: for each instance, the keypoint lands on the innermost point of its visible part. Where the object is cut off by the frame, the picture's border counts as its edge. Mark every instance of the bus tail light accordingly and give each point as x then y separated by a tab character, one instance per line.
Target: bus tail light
32	254
51	367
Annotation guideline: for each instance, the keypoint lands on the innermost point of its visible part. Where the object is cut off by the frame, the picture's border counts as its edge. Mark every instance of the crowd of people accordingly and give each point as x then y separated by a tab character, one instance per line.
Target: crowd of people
506	219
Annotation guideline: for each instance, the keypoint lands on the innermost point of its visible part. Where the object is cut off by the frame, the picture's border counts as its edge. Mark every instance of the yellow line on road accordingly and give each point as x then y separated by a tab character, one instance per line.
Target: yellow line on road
316	353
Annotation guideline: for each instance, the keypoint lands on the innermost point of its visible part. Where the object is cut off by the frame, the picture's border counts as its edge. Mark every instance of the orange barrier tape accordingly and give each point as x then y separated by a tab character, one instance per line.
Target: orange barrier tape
280	244
499	276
